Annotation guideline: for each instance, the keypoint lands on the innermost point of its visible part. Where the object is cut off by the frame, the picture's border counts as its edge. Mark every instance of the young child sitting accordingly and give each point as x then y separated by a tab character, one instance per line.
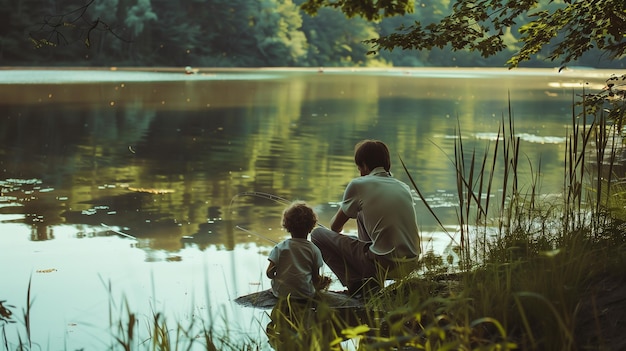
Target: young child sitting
295	262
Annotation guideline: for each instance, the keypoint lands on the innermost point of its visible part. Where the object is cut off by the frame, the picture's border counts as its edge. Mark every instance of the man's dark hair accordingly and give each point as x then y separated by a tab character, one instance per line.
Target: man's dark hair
299	219
372	153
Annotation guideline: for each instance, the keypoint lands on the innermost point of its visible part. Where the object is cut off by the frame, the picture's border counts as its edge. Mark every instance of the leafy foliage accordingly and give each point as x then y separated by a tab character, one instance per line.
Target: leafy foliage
574	29
370	9
251	33
571	27
333	38
611	100
139	15
277	36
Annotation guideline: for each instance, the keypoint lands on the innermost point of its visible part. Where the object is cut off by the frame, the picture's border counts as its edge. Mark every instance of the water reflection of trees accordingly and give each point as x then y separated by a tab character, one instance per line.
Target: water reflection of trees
41	232
206	142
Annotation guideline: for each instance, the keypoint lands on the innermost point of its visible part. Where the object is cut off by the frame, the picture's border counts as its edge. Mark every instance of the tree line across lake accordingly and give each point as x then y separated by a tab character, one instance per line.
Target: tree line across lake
224	33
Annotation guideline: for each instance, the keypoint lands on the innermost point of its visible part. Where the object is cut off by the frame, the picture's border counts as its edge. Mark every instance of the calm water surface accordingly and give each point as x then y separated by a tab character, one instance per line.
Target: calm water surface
128	186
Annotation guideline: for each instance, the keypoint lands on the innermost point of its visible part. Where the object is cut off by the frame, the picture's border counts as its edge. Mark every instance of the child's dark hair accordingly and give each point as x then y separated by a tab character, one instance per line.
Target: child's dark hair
372	153
299	219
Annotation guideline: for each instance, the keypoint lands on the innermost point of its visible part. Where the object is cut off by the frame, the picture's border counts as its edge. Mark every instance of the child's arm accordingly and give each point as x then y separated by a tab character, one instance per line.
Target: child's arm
316	279
271	270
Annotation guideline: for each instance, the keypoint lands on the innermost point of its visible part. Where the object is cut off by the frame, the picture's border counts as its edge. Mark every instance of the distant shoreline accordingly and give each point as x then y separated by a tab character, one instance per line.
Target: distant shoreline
58	75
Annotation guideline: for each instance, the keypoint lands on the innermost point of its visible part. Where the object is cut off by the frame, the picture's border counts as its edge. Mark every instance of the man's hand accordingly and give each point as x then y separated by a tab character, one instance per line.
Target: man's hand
322	282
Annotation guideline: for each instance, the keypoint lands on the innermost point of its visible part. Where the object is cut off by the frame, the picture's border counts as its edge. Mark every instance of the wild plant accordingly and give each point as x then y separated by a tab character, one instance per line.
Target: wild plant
24	342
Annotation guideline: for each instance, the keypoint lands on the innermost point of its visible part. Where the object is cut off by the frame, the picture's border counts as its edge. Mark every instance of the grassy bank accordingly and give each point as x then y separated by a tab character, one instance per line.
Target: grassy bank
536	272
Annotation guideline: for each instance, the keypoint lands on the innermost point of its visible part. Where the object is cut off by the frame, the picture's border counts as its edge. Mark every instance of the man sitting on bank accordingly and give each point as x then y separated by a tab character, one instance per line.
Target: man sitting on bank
388	237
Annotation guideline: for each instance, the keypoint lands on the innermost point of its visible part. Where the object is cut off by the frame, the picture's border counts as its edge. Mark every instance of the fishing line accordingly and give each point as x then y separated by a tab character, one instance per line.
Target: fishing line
267	196
255	233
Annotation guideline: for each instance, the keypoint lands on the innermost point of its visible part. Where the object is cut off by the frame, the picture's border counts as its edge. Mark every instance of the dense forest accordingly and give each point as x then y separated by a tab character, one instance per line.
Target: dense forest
224	33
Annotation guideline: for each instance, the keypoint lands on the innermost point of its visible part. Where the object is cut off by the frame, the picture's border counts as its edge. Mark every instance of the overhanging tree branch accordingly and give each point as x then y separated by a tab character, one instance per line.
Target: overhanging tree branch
559	30
67	28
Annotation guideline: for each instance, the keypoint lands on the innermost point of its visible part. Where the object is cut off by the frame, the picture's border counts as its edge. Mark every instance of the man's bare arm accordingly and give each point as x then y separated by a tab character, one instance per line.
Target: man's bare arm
338	220
271	270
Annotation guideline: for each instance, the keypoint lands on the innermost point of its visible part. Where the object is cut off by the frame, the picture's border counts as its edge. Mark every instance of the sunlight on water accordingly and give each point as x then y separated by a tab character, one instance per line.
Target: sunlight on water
531	138
93	75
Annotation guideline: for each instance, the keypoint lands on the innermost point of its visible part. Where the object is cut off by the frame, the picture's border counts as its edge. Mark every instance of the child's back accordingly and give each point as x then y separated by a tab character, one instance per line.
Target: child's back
297	260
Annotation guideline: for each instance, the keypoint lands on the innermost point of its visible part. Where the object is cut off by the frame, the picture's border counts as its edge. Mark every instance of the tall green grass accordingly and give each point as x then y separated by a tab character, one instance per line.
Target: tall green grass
529	262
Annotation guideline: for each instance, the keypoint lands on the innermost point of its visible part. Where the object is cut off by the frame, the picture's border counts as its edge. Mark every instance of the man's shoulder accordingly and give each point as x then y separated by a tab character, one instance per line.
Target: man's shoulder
377	180
366	179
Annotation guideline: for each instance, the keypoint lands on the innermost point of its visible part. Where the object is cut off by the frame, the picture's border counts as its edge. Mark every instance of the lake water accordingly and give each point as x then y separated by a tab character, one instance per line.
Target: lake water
130	186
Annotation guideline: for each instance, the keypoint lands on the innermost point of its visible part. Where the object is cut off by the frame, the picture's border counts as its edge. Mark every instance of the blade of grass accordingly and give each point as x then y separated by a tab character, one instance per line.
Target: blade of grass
419	193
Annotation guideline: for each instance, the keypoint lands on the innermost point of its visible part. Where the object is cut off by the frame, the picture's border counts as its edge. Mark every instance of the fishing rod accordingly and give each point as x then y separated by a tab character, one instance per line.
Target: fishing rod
268	196
117	231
